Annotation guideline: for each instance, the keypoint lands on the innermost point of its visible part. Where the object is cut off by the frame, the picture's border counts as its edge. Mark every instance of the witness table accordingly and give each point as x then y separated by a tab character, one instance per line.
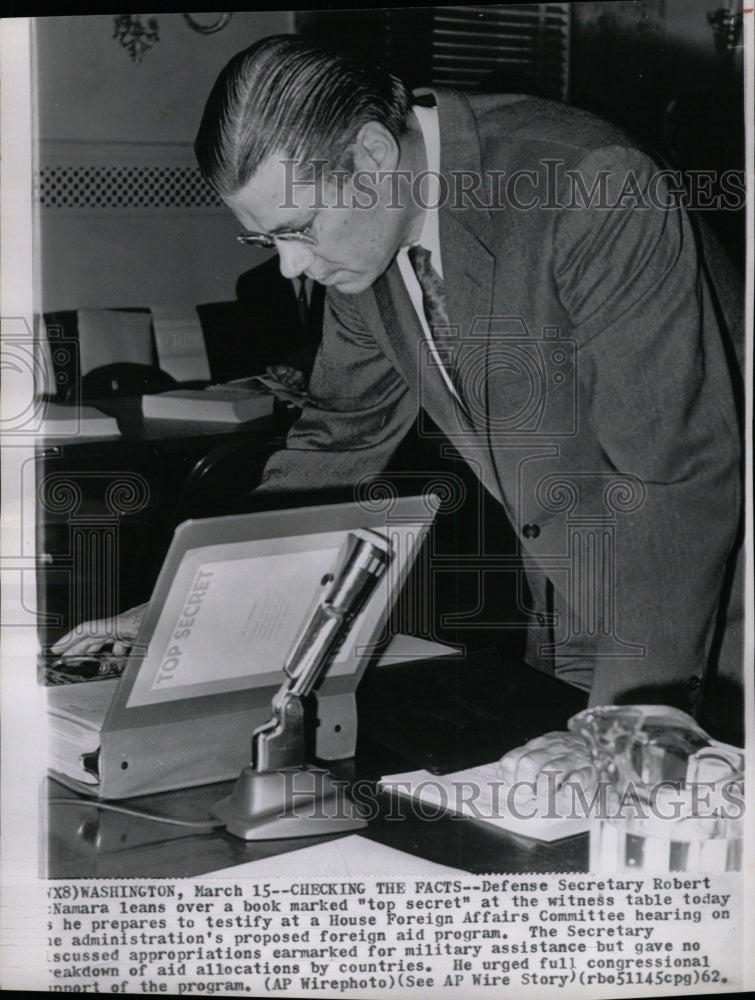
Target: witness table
443	714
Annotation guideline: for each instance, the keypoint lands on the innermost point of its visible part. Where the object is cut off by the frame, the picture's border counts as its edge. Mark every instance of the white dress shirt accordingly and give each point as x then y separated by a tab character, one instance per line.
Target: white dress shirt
429	238
306	284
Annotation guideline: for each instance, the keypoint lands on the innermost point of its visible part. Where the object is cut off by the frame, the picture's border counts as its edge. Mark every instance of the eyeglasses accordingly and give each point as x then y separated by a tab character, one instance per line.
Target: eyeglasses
268	241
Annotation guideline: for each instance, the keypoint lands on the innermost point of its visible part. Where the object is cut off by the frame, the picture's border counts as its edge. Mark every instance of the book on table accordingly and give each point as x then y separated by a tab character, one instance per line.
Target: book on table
233	595
73	421
230	403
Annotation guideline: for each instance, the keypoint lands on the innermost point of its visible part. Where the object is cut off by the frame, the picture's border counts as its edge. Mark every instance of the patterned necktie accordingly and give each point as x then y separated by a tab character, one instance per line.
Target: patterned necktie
431	283
434	304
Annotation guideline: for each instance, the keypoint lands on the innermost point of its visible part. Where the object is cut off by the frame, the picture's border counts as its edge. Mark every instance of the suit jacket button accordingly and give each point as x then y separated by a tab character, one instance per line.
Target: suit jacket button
531	530
694	683
541	619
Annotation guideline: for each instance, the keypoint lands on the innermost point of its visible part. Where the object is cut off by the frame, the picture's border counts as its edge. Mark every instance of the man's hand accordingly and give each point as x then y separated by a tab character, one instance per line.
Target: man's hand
563	753
288	385
288	376
92	637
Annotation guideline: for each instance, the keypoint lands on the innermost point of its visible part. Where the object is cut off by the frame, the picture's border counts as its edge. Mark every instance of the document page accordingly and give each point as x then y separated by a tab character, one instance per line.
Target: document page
226	620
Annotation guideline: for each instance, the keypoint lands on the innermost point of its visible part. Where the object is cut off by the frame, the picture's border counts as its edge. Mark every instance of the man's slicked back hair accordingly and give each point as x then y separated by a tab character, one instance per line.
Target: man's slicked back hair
284	95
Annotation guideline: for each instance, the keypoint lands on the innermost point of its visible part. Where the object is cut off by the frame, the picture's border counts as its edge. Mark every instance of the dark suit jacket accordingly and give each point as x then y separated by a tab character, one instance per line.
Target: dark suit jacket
598	400
267	303
262	326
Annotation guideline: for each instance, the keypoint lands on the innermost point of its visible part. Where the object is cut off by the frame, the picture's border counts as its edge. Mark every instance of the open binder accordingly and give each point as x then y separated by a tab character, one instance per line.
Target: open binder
232	596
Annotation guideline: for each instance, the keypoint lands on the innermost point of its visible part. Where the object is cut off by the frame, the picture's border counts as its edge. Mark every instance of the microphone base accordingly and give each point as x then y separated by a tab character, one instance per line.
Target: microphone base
291	802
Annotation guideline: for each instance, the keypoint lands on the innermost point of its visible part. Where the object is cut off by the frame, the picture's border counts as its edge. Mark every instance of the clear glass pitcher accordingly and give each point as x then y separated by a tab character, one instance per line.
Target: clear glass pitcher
668	798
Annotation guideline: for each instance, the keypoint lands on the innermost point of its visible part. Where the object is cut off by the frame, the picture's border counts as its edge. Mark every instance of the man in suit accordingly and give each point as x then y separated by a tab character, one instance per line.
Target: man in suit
521	273
577	354
285	315
273	321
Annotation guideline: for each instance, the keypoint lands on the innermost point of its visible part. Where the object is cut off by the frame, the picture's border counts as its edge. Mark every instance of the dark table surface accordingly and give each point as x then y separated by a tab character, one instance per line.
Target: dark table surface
443	714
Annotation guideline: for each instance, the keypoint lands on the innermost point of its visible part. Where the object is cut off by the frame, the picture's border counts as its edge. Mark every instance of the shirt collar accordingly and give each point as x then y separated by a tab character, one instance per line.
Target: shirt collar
429	190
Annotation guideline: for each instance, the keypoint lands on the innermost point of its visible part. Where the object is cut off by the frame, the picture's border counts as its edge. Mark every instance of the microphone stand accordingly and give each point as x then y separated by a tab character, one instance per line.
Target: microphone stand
278	794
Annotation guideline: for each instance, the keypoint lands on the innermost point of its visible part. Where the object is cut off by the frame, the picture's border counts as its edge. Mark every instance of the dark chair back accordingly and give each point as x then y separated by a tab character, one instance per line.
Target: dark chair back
124	378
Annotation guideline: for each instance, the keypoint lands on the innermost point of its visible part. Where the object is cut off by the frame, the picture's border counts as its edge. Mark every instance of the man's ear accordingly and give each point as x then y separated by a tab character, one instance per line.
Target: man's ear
375	148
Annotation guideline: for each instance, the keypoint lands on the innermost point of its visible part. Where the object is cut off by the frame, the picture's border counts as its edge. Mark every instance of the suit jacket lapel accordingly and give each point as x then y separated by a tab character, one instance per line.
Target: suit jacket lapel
405	343
465	230
468	271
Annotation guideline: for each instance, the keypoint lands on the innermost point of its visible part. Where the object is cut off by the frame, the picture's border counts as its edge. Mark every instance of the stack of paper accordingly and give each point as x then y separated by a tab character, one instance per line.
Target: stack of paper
75	721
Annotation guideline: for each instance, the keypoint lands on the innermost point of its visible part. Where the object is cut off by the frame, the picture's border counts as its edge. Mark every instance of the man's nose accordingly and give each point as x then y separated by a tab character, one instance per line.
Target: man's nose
294	258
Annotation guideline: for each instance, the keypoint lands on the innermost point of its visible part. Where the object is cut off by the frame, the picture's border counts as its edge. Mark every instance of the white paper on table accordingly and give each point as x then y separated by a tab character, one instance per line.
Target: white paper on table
345	857
479	793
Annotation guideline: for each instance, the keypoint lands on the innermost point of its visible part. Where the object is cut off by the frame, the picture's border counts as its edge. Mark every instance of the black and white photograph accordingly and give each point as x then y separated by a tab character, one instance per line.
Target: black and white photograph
377	598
